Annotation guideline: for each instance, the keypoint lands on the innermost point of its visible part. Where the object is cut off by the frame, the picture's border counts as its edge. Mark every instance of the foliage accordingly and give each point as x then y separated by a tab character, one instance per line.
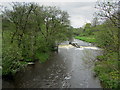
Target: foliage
10	61
107	37
42	56
77	31
108	10
87	30
108	71
30	32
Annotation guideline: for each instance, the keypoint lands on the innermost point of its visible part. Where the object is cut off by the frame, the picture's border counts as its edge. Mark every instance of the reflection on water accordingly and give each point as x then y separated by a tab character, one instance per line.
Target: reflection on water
70	68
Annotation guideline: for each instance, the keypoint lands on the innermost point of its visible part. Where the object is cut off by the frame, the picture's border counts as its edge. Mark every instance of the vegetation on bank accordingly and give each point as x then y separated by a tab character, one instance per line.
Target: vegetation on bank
107	70
89	39
107	66
30	32
106	35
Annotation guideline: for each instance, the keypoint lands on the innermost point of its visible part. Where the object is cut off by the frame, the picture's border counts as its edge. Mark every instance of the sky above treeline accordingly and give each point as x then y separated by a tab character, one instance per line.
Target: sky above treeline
80	11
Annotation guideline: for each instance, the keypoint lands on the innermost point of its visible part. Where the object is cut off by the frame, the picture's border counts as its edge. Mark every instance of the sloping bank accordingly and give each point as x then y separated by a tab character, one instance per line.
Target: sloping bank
106	67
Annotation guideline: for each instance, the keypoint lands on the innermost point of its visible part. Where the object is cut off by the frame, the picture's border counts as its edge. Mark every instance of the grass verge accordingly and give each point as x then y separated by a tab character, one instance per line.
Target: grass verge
90	39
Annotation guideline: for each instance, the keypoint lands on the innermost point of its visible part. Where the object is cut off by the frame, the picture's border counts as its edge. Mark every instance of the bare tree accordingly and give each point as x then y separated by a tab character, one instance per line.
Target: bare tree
108	10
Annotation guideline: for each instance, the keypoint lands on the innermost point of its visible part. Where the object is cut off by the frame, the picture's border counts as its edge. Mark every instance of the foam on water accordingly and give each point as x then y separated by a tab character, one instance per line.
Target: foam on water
82	48
66	46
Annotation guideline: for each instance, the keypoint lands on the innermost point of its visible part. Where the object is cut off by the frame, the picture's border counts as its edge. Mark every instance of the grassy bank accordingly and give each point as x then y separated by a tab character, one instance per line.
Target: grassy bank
90	39
107	70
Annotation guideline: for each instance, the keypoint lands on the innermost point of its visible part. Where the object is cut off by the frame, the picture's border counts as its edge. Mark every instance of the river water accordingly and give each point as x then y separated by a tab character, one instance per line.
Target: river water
71	67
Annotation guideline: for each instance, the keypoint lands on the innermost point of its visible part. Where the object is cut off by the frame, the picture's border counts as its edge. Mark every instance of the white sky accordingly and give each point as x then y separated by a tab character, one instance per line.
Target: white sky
80	11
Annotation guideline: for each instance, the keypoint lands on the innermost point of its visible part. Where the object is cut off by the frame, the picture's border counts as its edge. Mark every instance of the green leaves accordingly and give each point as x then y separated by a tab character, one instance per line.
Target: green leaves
107	70
30	33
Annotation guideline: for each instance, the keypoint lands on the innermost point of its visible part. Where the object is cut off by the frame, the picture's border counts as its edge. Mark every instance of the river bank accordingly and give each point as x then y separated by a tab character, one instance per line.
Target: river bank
71	67
107	66
90	39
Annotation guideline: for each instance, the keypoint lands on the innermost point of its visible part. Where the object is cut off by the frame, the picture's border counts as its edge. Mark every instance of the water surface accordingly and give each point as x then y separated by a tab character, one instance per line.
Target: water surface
71	67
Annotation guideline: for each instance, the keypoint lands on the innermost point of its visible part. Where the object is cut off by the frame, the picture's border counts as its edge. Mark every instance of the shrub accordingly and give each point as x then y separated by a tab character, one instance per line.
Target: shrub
10	60
107	70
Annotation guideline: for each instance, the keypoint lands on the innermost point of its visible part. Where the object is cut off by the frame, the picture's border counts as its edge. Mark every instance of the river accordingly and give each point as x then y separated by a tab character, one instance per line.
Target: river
71	67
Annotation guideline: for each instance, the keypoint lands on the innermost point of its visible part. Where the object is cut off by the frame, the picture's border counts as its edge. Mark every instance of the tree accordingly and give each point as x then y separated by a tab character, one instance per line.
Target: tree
33	30
108	10
95	22
109	13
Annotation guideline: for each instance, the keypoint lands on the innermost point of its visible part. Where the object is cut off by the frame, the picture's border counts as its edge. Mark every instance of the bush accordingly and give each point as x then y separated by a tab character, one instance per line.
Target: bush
107	70
10	60
107	37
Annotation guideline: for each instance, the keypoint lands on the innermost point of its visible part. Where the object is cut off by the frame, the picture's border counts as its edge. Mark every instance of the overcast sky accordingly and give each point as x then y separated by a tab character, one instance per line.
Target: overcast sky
80	12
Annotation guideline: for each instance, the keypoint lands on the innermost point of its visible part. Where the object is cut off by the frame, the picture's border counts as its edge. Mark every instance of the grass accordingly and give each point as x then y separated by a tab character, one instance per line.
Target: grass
107	70
90	39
